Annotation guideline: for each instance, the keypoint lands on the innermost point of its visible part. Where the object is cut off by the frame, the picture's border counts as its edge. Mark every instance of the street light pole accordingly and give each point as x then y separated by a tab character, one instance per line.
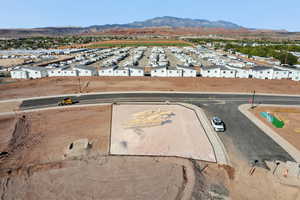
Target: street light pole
79	85
253	98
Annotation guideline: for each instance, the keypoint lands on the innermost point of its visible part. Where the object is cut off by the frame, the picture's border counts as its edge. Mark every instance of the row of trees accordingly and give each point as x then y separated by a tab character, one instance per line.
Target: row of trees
280	52
242	41
46	42
54	42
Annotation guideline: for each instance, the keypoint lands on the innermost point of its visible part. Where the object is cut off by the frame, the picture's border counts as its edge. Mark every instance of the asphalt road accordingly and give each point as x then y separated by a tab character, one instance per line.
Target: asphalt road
248	139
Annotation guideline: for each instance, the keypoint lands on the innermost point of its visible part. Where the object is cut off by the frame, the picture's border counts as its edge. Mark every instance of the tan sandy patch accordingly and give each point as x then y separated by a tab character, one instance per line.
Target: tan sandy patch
181	135
9	106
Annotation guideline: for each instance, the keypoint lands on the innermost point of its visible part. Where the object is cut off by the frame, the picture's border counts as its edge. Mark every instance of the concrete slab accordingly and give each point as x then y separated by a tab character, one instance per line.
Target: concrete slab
176	131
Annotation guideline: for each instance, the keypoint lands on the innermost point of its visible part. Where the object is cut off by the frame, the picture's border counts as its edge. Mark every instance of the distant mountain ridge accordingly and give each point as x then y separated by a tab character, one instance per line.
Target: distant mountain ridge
157	22
173	22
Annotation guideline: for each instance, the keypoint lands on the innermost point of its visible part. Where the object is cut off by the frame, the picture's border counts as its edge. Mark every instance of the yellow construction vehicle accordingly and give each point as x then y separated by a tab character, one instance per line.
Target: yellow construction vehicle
67	101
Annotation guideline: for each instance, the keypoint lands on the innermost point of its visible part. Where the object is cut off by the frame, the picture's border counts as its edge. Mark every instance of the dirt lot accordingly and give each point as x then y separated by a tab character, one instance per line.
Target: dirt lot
53	86
42	137
39	140
7	128
100	178
291	118
11	62
9	106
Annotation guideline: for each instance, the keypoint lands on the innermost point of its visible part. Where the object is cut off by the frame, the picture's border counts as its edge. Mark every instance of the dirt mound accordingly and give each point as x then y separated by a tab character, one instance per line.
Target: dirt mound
20	134
20	141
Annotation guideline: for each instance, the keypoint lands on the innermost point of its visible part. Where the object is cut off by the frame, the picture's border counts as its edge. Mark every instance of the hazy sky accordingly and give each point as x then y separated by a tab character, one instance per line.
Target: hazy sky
271	14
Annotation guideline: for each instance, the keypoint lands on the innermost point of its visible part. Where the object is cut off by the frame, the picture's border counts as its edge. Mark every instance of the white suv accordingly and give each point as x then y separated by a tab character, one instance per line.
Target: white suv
218	124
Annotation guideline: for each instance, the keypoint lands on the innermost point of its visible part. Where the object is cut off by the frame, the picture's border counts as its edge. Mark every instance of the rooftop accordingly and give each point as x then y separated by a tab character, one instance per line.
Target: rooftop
33	68
84	67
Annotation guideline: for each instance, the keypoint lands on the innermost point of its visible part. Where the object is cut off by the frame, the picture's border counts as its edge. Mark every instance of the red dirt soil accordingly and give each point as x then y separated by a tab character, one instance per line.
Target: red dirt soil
43	137
55	86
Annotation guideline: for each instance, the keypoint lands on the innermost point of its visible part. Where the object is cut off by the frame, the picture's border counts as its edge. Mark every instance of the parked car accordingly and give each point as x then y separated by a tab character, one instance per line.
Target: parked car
218	124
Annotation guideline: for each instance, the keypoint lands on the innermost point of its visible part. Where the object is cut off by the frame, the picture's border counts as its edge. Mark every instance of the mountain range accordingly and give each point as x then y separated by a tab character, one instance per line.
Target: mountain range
167	21
172	22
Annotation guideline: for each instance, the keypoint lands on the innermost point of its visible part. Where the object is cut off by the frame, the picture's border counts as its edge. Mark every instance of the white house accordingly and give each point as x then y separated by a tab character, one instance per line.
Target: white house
107	71
213	71
70	72
121	72
218	71
19	74
187	71
159	72
280	74
296	77
173	72
261	72
34	72
226	72
62	71
293	73
136	71
86	70
240	72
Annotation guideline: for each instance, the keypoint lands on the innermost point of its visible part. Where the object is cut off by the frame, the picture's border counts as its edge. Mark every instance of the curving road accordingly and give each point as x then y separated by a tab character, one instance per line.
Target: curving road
246	137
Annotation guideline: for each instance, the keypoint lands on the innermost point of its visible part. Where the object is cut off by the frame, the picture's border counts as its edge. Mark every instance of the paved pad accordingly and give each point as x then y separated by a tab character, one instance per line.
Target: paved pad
159	130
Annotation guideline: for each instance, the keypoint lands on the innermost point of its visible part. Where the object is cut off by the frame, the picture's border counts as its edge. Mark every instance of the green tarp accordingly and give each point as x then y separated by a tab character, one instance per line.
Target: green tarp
276	122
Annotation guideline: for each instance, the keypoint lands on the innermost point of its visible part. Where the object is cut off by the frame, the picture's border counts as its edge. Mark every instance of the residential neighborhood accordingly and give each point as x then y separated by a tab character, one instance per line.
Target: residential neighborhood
149	61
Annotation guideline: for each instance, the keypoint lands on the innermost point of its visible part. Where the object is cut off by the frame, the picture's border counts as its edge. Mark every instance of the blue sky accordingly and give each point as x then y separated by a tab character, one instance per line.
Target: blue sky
270	14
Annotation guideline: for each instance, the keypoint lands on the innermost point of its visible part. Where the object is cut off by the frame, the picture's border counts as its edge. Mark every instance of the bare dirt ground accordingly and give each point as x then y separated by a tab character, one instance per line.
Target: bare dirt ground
42	137
7	128
42	173
291	118
100	178
9	62
54	86
9	106
262	184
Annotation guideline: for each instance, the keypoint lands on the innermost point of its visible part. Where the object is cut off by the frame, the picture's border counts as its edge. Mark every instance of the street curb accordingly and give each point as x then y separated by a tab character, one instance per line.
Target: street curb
289	148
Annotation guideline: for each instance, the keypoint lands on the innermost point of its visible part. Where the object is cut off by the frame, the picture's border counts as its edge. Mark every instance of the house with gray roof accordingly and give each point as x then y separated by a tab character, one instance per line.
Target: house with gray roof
218	71
187	71
159	72
107	71
84	70
25	72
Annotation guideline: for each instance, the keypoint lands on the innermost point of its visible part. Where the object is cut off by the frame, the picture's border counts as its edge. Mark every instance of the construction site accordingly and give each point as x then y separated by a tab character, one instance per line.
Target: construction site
130	150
